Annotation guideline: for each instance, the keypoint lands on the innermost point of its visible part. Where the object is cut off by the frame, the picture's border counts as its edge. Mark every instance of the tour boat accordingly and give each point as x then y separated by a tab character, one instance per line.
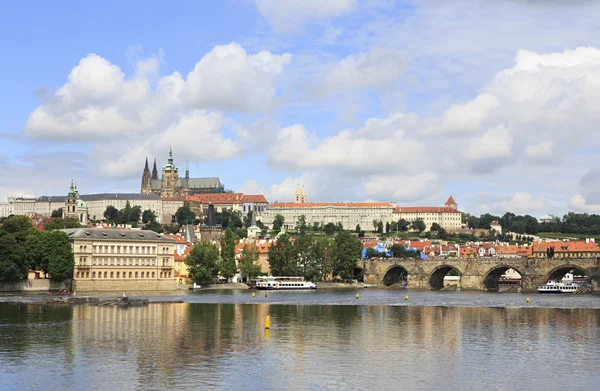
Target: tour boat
283	283
554	286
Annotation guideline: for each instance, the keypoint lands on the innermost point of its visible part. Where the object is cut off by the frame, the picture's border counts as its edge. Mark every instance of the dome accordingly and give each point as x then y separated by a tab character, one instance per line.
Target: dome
547	217
81	204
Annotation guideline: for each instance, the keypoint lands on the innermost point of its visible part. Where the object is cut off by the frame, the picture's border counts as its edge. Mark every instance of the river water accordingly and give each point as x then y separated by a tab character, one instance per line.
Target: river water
325	340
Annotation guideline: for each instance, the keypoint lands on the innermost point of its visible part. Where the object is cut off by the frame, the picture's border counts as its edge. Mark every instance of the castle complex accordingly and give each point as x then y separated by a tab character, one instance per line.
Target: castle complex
172	185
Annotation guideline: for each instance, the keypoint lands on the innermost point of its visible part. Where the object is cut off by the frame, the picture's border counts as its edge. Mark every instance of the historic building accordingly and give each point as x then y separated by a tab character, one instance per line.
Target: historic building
75	207
447	216
116	260
365	214
172	185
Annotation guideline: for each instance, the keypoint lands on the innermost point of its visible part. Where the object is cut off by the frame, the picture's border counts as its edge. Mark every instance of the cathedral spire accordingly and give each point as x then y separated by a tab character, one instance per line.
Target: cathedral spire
146	166
187	168
154	170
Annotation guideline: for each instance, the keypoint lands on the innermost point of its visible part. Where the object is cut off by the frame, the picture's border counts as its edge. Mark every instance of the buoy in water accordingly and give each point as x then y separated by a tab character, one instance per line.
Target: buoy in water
528	299
406	297
267	322
265	295
357	295
253	294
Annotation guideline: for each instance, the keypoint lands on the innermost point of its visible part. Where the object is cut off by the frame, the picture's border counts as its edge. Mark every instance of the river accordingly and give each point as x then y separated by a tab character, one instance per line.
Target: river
327	339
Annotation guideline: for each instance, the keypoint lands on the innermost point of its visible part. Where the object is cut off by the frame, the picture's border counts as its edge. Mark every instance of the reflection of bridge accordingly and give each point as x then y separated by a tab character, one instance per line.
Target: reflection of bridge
478	273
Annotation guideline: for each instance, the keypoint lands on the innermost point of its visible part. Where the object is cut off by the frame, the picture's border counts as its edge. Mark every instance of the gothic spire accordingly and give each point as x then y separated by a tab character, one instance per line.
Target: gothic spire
146	166
187	168
154	170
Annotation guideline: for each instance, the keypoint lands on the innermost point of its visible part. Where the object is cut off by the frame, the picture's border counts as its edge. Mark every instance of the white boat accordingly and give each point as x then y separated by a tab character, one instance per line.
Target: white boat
554	286
283	283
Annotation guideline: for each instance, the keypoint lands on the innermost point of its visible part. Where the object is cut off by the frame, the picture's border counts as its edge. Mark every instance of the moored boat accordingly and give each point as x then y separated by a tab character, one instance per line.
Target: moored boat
554	286
283	283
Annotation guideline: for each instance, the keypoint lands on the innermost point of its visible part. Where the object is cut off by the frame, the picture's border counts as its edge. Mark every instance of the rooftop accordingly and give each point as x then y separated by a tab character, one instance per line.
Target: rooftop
116	234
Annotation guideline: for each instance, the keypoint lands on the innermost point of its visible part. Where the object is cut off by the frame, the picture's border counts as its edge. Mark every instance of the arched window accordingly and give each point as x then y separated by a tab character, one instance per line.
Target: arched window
93	274
136	274
142	275
118	274
152	274
112	275
105	274
129	274
77	275
87	274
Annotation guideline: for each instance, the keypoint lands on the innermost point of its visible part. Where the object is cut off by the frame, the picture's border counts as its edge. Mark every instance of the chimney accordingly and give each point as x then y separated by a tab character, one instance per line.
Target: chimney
587	240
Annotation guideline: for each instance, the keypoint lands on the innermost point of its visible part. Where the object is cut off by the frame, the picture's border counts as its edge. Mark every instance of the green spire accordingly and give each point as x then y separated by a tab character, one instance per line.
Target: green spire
187	169
170	165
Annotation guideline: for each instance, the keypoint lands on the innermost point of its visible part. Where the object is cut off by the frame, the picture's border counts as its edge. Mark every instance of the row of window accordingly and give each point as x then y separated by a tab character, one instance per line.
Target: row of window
122	275
117	249
123	262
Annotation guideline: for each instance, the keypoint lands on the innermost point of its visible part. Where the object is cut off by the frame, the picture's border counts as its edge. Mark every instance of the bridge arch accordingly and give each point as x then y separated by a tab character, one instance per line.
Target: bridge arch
395	274
359	274
436	278
559	272
490	280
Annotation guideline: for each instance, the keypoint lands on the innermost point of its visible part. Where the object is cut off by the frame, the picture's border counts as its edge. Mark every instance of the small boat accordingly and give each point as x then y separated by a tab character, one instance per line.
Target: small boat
64	292
284	283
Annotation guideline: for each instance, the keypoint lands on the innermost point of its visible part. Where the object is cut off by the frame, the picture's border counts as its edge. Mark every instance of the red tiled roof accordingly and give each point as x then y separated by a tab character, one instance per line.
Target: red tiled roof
282	205
450	201
424	209
567	246
257	198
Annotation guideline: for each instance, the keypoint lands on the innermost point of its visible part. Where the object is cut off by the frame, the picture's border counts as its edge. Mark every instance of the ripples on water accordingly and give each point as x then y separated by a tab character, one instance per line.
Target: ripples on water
217	341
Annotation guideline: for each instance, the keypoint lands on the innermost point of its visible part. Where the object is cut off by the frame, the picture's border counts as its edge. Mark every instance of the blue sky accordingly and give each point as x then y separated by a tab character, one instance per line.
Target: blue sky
404	101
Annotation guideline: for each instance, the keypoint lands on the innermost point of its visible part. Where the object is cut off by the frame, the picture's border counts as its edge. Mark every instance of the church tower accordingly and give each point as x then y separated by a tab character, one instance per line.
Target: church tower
75	207
303	196
154	171
451	203
170	176
146	185
298	195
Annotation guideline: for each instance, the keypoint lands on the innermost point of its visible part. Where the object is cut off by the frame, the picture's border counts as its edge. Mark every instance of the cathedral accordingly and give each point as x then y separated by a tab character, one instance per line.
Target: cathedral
172	185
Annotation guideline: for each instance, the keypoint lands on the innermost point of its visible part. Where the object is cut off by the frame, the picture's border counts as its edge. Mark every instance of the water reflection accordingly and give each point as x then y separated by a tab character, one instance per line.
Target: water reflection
225	346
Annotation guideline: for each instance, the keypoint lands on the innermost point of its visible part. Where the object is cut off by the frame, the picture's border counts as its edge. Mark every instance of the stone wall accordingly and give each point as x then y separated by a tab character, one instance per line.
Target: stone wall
35	285
124	285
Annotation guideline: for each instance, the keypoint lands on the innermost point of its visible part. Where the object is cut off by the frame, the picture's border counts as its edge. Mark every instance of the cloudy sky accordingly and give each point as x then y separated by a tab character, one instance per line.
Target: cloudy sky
494	102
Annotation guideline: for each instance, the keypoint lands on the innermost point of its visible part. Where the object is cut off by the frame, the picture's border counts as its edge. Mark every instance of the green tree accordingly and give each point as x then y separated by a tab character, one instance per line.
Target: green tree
278	222
248	262
347	250
59	256
227	265
403	225
248	219
203	263
380	227
435	227
323	252
148	216
60	223
14	259
185	215
357	229
308	263
418	225
301	226
111	214
282	257
329	229
388	227
57	213
155	226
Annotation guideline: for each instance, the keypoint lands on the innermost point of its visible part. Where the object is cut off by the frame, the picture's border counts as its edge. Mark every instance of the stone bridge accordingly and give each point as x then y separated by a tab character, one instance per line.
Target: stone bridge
478	273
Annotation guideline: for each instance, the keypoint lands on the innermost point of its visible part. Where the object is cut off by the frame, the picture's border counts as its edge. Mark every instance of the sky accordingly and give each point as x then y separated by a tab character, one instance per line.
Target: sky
493	102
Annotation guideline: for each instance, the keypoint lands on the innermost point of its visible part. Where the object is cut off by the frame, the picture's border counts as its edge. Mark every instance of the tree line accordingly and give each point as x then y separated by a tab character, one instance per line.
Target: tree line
22	247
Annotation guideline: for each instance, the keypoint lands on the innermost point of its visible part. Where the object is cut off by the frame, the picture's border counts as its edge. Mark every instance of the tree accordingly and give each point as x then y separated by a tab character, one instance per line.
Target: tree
203	262
322	251
301	226
248	219
403	225
14	259
185	215
111	214
435	227
329	229
227	265
57	213
278	222
59	256
308	262
380	227
282	259
357	229
347	250
418	225
248	262
155	226
148	216
387	227
60	223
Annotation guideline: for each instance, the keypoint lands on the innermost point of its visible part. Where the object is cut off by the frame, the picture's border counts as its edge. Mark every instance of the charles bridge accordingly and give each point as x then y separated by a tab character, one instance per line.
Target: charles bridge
478	274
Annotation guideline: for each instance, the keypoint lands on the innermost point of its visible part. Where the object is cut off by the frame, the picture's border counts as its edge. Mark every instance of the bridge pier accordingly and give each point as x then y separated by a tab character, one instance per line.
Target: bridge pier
418	281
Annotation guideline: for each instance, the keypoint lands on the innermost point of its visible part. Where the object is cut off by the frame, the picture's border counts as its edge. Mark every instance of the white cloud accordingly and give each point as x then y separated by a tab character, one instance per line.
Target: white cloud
290	15
469	117
518	203
579	204
540	151
251	187
403	188
494	143
376	68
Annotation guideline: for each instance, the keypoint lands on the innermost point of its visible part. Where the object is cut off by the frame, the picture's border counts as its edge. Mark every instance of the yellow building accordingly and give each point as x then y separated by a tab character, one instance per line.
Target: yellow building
121	260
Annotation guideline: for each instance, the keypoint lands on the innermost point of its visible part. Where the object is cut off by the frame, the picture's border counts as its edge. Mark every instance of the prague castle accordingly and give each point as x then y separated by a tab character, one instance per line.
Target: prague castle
172	185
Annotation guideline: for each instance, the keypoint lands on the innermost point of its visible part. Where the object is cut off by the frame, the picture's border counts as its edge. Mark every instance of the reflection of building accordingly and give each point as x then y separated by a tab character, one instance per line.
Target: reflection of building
115	260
